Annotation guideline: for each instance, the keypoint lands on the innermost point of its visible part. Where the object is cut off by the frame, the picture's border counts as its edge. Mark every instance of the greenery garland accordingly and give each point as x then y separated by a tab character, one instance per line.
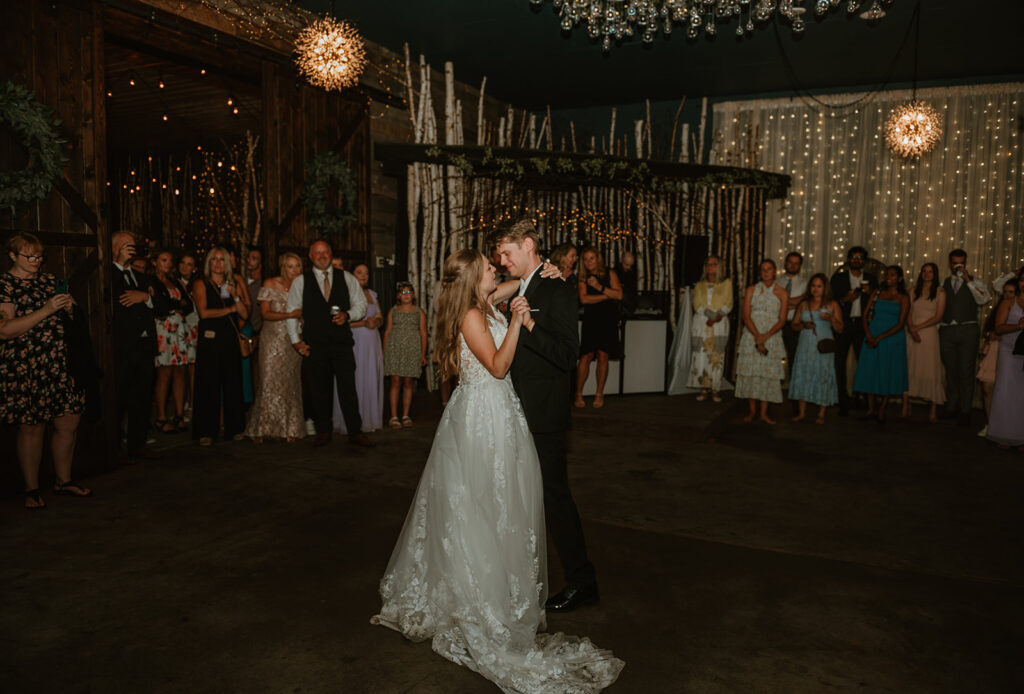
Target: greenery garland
37	128
321	171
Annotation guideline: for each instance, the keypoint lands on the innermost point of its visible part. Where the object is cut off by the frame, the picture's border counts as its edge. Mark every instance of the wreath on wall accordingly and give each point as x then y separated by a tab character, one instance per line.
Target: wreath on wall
324	170
36	129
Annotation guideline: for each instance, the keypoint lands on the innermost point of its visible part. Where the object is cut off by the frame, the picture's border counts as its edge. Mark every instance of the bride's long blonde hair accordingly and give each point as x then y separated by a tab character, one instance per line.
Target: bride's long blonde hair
460	291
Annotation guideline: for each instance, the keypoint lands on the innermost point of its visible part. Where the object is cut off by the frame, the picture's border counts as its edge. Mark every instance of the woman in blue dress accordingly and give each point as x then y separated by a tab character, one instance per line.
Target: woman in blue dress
814	372
882	369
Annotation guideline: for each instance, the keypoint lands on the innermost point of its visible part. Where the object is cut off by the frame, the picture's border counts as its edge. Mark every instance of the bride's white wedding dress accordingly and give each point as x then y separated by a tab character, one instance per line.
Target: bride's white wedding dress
470	566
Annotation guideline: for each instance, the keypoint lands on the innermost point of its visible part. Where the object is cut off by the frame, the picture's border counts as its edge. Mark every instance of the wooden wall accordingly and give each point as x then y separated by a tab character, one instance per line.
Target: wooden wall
55	49
301	122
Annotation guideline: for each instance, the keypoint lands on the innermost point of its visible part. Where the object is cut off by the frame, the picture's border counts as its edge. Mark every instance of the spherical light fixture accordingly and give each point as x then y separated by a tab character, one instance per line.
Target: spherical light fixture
913	129
330	54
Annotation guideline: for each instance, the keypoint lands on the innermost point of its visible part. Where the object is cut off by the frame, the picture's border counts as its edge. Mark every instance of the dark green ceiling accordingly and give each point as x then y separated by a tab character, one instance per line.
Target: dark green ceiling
528	61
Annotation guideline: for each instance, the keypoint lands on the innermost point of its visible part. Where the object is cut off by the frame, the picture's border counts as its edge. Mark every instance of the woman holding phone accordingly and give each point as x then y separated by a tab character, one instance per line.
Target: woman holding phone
36	386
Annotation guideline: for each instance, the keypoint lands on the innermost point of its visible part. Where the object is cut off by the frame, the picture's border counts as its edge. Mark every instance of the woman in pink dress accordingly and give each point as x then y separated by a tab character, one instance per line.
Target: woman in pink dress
369	361
924	366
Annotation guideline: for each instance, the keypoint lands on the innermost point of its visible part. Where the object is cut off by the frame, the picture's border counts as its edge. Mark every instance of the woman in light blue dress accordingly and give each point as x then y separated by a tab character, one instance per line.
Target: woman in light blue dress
882	369
814	374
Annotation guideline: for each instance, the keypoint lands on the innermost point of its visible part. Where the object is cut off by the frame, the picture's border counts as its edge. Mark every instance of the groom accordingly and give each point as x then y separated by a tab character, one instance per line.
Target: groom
545	357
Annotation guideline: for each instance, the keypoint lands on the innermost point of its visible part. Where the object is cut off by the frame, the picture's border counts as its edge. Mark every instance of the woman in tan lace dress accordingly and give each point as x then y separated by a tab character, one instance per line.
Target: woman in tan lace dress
277	409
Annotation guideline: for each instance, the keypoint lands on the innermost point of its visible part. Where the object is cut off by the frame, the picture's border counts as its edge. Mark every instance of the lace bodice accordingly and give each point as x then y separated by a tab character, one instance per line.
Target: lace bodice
471	371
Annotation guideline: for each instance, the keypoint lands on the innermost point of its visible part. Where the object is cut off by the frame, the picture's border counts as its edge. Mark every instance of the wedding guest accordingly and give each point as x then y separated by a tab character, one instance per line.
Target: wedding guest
759	365
369	360
1006	426
405	351
330	300
598	289
958	335
137	307
813	376
185	275
218	298
924	367
625	270
141	265
254	283
245	325
795	286
277	409
990	351
709	330
564	257
36	385
172	341
851	287
882	370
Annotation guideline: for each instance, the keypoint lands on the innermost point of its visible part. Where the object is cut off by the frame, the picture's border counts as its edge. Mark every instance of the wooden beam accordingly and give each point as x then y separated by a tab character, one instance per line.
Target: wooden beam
77	203
559	170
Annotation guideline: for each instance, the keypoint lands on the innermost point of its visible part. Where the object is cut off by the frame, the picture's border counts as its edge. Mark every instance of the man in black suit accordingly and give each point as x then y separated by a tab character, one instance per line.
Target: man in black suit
545	358
136	307
852	288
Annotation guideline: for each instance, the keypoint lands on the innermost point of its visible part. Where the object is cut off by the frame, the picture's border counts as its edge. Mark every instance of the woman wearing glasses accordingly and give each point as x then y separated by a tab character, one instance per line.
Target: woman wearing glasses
36	386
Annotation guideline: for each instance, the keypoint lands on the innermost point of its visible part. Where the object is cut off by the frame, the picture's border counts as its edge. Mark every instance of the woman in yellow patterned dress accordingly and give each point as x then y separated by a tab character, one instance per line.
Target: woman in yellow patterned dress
709	331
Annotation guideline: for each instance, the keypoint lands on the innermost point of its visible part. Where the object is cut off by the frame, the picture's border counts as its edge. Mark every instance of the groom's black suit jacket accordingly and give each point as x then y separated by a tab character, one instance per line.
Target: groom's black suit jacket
546	356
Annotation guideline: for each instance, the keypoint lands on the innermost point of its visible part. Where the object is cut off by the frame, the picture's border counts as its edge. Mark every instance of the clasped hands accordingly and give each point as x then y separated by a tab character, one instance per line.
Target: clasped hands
520	309
130	297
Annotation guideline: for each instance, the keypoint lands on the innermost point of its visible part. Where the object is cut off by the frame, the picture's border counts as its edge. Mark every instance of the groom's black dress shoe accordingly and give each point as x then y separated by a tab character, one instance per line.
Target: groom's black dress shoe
321	440
570	598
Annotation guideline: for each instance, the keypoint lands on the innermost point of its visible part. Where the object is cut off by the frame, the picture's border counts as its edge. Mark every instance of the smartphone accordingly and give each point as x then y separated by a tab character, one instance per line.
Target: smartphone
62	285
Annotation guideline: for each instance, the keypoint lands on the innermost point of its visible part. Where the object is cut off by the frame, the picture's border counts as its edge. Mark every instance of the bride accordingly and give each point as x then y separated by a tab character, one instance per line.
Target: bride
470	566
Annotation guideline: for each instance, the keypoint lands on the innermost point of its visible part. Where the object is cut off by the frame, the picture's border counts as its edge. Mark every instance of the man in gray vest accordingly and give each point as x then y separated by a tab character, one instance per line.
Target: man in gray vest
958	335
330	300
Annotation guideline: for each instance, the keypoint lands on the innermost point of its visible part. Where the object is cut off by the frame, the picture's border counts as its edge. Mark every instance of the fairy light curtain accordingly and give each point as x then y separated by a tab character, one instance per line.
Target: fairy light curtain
847	189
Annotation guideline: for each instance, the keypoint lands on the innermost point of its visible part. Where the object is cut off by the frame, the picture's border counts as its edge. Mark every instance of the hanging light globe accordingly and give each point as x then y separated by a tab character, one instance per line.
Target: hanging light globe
330	54
913	129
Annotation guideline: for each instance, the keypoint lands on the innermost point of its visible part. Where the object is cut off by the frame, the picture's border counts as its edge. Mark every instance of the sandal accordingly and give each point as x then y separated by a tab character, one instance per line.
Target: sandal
394	423
406	421
598	401
206	441
163	424
179	423
71	488
579	402
37	501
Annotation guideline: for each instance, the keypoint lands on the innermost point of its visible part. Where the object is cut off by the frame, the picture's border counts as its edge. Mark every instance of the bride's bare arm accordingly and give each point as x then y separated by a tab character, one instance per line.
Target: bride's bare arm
507	290
478	338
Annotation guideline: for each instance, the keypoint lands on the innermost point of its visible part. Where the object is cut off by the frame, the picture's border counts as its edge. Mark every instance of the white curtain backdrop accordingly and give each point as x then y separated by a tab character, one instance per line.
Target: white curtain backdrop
848	189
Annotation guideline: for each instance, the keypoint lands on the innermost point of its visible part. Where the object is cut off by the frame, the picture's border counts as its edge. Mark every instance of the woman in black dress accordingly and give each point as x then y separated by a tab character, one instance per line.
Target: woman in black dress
218	359
599	291
36	384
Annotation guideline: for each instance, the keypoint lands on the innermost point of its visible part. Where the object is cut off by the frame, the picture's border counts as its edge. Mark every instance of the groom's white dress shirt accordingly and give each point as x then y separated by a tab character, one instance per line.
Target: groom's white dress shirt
356	298
525	281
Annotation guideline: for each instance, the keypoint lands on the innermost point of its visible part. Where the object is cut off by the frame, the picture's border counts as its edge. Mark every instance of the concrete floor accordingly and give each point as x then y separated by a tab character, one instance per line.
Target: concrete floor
799	558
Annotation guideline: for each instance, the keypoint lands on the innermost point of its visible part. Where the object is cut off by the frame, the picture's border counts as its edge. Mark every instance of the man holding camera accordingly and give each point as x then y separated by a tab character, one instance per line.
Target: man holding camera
330	300
136	307
958	335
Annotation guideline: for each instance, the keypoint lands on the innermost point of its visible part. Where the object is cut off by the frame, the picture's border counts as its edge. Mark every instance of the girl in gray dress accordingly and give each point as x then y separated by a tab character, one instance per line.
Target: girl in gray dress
405	351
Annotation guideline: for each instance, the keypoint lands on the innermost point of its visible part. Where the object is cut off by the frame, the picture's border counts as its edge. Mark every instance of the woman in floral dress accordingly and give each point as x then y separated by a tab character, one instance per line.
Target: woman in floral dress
759	367
172	339
36	387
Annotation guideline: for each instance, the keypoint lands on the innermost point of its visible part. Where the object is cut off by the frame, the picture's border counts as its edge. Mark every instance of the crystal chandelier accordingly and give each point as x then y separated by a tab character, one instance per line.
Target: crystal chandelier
330	53
913	129
613	21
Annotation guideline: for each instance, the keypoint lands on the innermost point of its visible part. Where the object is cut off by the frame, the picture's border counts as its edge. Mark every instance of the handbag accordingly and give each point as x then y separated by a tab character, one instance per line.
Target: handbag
825	346
246	344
